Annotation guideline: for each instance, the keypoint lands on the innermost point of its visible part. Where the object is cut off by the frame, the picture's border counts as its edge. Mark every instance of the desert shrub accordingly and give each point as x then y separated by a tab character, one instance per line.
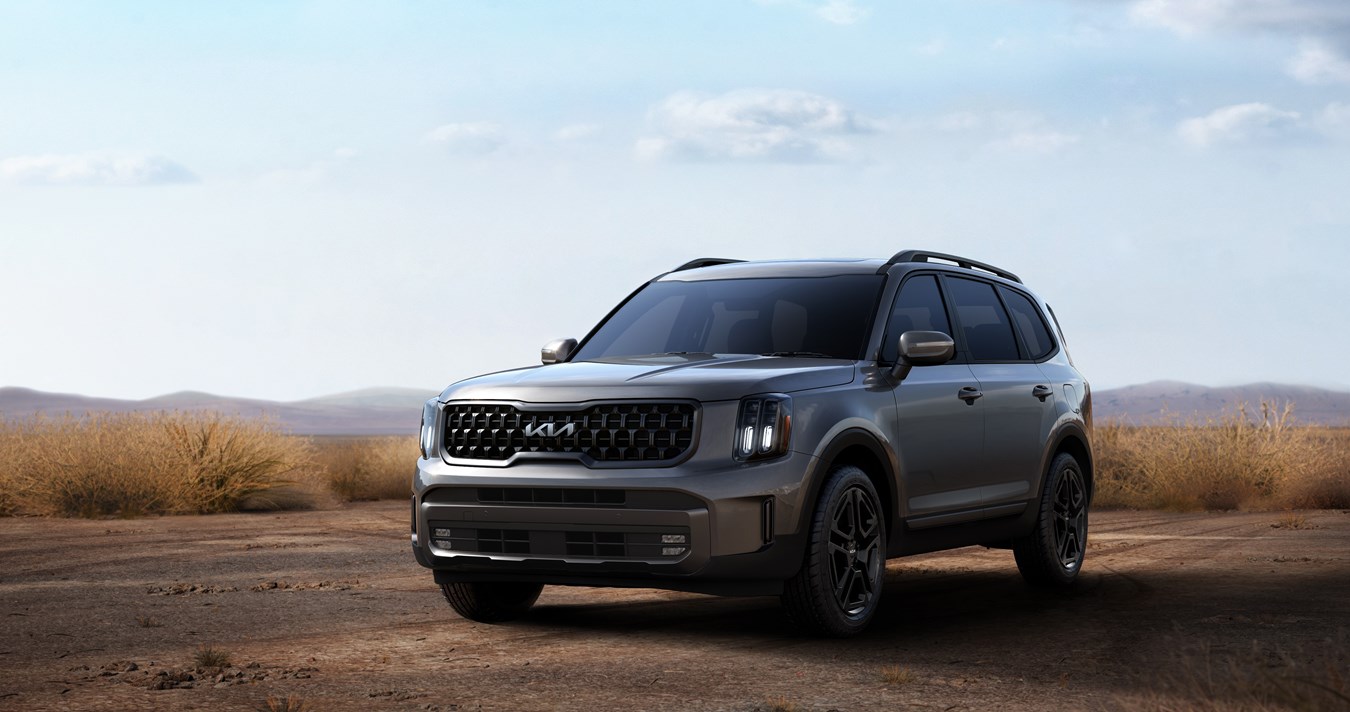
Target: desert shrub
1326	485
130	464
1241	461
209	656
369	468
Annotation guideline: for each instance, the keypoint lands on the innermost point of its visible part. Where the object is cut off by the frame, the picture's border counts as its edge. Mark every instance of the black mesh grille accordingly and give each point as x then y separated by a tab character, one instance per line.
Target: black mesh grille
613	543
551	496
612	432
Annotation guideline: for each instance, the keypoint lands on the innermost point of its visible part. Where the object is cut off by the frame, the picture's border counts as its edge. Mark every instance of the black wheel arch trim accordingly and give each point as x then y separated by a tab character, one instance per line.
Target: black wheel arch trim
1068	437
827	456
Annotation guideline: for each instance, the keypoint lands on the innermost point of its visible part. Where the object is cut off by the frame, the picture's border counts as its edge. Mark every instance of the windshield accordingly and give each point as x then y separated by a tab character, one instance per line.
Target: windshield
792	316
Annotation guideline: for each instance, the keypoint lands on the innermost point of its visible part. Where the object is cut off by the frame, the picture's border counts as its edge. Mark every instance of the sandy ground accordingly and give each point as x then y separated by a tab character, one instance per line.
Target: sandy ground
329	608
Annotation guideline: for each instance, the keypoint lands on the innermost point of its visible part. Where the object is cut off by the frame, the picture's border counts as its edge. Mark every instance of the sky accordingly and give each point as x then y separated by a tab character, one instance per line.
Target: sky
284	200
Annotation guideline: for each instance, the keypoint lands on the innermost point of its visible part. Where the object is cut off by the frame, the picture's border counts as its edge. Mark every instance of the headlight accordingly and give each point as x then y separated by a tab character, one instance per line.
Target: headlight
430	410
763	427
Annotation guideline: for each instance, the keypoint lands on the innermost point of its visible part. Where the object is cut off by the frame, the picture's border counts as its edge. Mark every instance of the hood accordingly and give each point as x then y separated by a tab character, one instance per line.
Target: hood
702	377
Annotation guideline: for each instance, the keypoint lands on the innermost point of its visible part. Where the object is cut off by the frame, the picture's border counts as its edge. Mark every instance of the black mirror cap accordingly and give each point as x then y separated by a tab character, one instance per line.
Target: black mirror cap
557	351
923	348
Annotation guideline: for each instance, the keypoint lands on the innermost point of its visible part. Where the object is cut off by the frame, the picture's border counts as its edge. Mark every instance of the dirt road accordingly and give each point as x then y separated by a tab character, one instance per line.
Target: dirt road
328	607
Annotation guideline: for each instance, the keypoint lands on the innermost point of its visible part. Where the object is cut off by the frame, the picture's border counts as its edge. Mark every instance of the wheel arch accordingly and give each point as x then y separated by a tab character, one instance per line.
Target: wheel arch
1074	440
866	451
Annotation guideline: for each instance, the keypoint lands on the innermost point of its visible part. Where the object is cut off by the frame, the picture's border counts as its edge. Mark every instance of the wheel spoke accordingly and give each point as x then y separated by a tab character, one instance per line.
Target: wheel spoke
843	585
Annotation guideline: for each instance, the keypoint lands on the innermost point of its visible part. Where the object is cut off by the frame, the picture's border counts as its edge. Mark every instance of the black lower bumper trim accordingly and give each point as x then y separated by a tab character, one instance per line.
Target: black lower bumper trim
760	573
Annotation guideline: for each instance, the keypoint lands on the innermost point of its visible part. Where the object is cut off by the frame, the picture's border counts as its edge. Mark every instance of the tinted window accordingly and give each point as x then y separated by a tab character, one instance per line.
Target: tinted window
918	307
984	323
1035	335
827	315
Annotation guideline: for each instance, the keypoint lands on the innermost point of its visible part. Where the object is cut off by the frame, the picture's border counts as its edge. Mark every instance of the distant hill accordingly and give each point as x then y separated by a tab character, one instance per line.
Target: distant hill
1169	401
395	411
374	411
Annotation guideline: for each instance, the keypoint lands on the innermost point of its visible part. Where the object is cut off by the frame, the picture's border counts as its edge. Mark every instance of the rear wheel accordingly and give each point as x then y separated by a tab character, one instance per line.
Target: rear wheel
837	590
491	602
1052	554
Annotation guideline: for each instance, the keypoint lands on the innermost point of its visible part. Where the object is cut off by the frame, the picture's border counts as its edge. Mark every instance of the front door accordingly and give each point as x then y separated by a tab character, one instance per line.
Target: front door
938	436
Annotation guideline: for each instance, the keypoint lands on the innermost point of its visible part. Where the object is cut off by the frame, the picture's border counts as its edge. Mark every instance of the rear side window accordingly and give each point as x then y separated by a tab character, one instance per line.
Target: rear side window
983	322
918	307
1030	324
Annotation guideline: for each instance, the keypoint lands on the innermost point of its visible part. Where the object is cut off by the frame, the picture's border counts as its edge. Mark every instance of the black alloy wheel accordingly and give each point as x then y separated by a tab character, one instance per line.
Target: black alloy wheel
1052	554
837	590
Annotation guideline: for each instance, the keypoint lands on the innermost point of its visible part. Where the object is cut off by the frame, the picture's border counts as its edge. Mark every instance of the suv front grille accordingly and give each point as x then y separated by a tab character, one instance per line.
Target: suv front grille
606	432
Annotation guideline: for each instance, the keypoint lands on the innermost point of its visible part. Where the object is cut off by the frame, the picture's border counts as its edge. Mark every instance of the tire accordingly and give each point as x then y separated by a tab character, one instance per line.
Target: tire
491	602
837	590
1052	554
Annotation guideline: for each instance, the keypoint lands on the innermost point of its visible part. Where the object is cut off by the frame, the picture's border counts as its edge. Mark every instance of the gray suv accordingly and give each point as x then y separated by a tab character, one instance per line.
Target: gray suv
765	428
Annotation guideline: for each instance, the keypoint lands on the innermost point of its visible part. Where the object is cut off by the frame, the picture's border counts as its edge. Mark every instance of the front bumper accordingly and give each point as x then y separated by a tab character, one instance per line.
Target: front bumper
736	525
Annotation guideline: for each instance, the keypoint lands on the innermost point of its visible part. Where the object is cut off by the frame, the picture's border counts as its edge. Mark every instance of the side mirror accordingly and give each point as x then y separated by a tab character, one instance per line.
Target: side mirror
922	348
557	350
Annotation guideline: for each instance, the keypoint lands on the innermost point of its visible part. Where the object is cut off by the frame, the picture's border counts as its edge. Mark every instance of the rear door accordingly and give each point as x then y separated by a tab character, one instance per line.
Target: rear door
937	435
1010	384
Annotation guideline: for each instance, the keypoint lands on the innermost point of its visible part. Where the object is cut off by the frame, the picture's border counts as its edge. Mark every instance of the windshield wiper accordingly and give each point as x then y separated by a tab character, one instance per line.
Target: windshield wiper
799	354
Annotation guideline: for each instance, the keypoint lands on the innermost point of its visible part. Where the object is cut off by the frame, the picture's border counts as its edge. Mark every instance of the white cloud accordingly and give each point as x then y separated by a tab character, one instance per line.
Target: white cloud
1240	123
312	173
472	138
841	12
838	12
1316	63
93	169
1034	143
931	48
959	121
1334	120
1289	16
576	132
752	124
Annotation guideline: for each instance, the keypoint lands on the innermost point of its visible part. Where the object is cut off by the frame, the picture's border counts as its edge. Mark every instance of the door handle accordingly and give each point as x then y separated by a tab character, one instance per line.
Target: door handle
1042	392
969	394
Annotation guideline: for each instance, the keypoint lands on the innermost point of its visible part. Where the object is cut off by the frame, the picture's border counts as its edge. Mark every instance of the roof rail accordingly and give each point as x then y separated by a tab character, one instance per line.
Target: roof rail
924	255
704	262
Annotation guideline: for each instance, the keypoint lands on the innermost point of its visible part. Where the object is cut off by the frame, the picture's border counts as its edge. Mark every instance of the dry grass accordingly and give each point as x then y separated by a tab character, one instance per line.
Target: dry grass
174	463
779	703
209	656
369	468
896	675
286	704
1244	461
1292	520
132	464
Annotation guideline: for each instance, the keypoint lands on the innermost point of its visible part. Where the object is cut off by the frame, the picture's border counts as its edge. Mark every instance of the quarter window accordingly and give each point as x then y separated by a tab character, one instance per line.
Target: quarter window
1035	335
983	321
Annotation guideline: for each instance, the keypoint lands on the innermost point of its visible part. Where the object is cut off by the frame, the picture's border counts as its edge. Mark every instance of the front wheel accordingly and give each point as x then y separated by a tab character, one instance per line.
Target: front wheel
491	602
1052	554
839	585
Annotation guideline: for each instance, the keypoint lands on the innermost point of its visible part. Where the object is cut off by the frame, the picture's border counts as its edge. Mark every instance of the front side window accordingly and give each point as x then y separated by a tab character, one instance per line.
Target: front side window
983	322
918	307
823	316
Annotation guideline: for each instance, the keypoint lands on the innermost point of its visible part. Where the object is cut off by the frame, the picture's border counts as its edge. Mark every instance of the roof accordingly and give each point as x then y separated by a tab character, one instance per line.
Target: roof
710	269
776	268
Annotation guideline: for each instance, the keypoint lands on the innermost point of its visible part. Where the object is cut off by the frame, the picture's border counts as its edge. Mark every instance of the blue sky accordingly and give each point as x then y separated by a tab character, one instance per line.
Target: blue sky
284	200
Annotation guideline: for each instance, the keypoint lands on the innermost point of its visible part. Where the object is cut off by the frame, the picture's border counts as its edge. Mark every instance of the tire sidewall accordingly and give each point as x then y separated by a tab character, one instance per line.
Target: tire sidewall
1046	524
842	480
